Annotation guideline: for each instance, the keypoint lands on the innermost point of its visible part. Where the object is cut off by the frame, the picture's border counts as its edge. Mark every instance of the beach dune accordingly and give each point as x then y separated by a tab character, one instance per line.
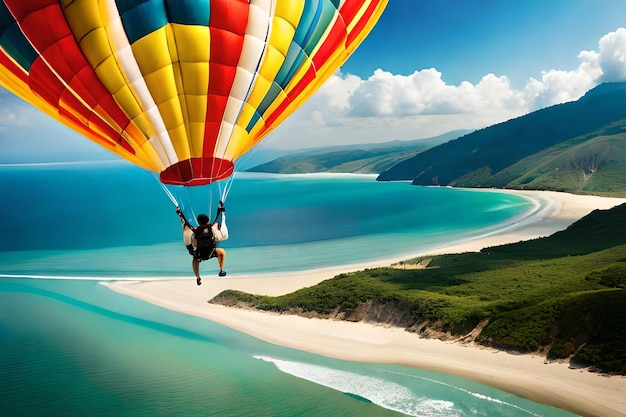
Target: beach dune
529	376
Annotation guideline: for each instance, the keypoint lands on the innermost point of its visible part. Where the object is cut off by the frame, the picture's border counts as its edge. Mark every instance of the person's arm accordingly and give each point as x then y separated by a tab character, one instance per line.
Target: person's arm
183	218
220	209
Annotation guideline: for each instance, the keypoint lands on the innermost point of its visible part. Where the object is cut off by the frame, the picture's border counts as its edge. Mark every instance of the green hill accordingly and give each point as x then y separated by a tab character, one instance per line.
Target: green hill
575	147
563	296
594	163
356	159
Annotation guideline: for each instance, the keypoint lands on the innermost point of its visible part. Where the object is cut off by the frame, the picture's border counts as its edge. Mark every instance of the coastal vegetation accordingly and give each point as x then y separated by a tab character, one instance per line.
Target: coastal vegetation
563	296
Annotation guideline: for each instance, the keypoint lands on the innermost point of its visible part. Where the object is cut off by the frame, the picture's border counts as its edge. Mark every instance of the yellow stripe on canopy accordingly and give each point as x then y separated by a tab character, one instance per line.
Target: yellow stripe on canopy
155	62
192	75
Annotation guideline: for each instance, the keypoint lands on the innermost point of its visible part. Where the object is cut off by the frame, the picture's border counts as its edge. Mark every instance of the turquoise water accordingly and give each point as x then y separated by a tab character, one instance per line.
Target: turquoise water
75	348
108	219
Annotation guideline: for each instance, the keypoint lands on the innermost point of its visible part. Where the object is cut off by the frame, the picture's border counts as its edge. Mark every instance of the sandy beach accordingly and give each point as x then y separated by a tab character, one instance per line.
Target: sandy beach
529	376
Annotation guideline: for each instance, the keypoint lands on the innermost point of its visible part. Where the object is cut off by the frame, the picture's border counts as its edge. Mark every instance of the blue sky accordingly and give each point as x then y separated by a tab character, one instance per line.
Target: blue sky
427	68
466	39
430	67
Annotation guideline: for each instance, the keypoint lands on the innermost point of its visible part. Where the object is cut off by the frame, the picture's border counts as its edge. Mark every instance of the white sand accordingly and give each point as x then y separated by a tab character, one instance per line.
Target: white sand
528	376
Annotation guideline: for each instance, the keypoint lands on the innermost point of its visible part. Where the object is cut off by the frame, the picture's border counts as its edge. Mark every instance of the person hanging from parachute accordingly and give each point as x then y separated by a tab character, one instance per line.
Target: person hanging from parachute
201	241
182	89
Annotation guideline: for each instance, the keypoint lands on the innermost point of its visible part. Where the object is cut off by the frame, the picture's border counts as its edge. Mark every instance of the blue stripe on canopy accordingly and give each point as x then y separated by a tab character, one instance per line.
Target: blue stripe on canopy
189	12
141	17
12	40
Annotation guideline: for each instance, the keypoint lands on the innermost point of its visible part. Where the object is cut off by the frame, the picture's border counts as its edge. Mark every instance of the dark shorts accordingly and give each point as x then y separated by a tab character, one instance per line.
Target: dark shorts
204	254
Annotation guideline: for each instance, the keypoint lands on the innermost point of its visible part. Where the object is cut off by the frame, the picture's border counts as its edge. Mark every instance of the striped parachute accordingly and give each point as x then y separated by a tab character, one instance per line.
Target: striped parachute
179	87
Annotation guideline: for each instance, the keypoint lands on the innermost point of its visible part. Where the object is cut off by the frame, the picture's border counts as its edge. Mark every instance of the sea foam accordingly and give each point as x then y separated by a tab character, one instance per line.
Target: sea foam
386	394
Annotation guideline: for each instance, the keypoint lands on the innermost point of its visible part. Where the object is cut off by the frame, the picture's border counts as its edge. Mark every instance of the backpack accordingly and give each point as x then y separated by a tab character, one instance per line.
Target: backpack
204	237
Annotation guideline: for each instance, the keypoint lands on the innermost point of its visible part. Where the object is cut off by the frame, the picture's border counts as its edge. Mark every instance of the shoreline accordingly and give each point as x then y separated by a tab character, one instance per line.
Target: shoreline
528	375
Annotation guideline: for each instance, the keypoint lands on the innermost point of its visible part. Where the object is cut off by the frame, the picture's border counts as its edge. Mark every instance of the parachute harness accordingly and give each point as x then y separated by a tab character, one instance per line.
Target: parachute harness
169	194
222	192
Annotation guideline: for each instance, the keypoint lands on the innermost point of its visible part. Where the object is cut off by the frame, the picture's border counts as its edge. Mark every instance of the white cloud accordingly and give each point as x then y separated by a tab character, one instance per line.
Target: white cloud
612	56
14	112
26	134
389	106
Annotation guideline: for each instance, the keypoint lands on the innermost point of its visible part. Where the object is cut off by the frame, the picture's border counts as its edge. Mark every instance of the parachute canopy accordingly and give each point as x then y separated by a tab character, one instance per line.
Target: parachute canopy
179	87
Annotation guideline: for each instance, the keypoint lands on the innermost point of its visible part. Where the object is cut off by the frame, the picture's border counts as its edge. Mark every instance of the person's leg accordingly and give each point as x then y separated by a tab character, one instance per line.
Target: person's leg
195	264
221	257
187	234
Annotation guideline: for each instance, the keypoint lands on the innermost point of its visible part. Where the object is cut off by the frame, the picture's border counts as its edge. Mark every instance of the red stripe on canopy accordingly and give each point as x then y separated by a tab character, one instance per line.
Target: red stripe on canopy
44	25
229	19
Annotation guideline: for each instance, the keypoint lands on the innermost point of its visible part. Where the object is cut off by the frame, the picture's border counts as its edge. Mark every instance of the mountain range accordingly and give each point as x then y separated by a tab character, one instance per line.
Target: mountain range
577	147
372	158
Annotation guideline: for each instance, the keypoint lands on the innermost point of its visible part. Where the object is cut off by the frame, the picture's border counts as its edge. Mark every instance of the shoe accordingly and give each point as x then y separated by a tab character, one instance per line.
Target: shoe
190	249
222	273
199	280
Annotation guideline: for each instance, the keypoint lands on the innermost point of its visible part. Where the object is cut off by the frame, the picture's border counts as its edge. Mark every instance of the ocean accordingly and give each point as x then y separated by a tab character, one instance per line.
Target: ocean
72	347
